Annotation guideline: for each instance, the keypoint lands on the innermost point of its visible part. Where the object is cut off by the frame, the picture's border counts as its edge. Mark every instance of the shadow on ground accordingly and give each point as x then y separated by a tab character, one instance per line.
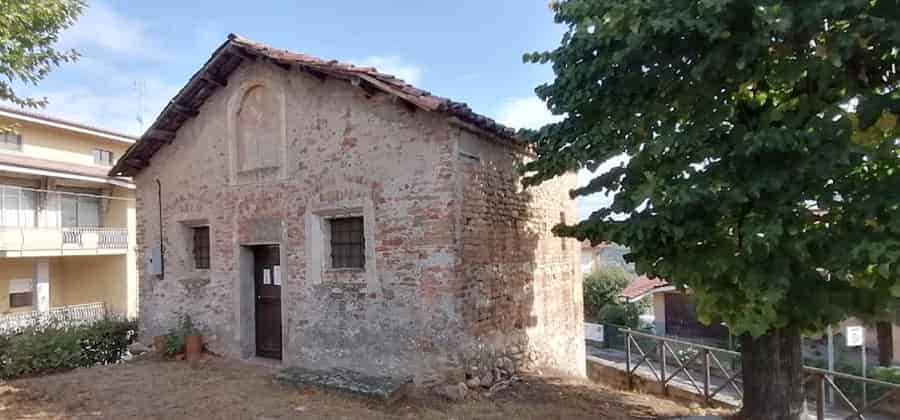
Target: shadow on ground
223	389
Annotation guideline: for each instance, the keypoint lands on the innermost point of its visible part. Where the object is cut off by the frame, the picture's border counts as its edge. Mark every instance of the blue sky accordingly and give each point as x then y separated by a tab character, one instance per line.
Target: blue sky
137	54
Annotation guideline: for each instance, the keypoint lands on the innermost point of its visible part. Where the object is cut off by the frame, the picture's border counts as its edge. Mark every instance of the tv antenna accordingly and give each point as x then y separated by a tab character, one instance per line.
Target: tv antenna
140	86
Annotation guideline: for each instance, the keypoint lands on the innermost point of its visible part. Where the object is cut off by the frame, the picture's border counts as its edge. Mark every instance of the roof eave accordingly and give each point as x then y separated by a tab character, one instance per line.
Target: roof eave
205	82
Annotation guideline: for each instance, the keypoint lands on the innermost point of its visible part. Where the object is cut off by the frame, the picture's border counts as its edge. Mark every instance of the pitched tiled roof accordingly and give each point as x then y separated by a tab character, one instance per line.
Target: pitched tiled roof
641	286
235	50
59	122
51	165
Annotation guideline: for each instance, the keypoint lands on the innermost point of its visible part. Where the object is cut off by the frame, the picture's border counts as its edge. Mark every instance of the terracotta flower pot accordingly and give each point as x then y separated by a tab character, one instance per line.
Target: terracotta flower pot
159	345
193	347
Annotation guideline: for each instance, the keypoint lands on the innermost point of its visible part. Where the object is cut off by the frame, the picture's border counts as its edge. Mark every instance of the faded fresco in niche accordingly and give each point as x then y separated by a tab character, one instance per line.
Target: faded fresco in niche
258	130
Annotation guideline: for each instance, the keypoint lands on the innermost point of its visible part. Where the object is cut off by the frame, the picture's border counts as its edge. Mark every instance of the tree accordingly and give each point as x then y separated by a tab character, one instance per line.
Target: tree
602	287
28	32
885	342
764	165
602	297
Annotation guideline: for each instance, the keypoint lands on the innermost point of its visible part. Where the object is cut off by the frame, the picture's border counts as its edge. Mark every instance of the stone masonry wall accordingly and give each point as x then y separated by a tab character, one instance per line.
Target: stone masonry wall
520	286
342	152
462	271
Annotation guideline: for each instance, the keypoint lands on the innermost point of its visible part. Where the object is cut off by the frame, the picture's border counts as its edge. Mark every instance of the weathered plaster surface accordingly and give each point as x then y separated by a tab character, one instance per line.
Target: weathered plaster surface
438	295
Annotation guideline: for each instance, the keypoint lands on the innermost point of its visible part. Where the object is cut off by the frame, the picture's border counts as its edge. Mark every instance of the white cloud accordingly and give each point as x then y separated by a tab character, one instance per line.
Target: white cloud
103	27
115	108
596	201
393	65
531	112
526	112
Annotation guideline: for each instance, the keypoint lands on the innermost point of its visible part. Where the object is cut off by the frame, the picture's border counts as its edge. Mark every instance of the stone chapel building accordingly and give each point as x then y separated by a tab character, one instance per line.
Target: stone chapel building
328	215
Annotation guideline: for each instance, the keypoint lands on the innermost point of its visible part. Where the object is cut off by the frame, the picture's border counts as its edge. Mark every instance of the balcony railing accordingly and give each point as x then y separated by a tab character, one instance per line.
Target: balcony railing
36	222
61	316
102	238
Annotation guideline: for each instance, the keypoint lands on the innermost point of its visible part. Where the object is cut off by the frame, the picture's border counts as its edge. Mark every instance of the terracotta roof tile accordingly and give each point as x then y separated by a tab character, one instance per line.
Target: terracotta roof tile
232	53
641	286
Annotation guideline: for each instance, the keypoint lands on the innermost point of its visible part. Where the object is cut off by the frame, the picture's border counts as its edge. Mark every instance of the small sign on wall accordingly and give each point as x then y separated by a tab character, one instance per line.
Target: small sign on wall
855	336
593	332
276	275
267	276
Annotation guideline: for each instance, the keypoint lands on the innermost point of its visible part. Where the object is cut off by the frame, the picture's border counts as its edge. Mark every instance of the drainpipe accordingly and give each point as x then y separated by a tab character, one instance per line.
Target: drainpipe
162	246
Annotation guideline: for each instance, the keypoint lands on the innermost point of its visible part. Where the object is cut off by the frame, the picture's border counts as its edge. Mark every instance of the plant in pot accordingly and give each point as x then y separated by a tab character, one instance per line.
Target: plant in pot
185	339
193	340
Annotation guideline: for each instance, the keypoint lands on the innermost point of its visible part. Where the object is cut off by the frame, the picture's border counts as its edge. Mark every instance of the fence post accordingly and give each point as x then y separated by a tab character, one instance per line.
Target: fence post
820	398
628	357
706	375
662	366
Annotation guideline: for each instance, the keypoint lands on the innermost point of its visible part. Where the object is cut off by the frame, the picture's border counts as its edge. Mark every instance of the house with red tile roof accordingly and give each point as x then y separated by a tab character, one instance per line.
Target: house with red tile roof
324	215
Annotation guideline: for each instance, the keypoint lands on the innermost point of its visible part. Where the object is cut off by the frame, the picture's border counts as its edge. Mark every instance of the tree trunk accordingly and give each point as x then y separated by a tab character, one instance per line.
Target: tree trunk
772	367
885	342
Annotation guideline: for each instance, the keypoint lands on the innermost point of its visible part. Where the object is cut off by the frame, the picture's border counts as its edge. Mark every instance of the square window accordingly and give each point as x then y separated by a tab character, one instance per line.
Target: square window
19	300
201	247
347	243
103	157
10	141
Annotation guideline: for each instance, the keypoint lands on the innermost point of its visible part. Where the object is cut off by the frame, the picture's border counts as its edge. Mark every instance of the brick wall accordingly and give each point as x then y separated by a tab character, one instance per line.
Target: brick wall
520	286
407	312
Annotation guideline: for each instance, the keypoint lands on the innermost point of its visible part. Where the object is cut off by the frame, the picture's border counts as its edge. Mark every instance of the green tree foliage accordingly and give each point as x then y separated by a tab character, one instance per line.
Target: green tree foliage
28	32
764	171
602	287
621	314
764	165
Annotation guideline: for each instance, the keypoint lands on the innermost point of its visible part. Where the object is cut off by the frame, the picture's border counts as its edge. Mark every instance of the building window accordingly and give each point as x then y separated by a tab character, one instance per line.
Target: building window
103	157
20	294
347	243
17	207
11	141
201	247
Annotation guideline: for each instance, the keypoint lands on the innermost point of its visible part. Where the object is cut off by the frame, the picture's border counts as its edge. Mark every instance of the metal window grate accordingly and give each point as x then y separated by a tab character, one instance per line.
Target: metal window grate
347	243
201	247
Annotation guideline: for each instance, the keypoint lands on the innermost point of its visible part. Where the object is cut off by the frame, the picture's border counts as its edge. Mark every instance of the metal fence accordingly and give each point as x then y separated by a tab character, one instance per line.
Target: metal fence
684	357
106	238
710	371
63	315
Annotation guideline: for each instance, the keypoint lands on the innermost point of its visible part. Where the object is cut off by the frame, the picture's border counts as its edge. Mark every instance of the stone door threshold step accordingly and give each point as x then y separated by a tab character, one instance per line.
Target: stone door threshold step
381	388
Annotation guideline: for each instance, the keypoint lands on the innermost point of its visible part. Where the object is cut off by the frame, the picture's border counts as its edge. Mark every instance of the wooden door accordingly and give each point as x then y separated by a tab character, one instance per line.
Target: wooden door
267	281
681	319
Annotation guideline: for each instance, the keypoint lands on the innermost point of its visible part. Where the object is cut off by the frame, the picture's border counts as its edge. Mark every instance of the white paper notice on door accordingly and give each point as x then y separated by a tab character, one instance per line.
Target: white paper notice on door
276	275
267	276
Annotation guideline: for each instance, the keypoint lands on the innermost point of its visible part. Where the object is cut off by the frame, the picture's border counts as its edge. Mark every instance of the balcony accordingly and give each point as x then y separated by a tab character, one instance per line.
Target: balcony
54	223
70	315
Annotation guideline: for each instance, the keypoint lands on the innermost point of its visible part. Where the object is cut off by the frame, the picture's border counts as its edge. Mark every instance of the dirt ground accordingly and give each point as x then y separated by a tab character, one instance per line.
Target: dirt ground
226	389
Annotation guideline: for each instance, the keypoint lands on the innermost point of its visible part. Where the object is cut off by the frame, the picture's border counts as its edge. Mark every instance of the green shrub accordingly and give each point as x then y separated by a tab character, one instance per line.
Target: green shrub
55	348
602	287
853	389
624	314
176	338
886	374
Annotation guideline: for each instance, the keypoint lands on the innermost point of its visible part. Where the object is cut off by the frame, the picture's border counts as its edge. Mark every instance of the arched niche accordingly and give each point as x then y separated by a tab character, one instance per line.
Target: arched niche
258	129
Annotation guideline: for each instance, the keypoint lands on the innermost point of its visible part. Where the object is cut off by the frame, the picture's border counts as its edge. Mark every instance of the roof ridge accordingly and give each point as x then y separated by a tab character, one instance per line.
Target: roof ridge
237	49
